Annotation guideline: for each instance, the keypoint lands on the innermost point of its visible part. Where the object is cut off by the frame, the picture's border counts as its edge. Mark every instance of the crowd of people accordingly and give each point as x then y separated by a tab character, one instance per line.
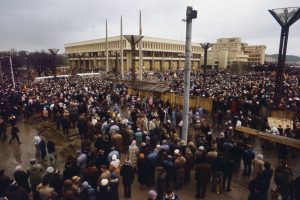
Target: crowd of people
147	132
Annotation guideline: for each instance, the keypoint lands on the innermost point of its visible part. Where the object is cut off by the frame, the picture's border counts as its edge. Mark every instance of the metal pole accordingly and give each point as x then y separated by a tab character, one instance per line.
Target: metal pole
12	72
133	62
187	74
205	63
106	41
1	75
121	45
140	50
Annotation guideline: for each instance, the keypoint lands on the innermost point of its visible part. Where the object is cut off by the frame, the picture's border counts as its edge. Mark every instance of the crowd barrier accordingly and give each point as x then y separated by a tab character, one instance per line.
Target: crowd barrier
177	100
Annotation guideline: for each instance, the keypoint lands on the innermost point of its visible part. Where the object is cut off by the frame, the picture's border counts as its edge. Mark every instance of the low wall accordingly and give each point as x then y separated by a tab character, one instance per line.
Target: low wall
177	100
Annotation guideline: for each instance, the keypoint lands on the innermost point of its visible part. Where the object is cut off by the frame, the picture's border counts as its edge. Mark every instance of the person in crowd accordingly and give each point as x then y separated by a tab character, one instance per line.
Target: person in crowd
21	177
202	176
152	195
45	191
35	172
4	182
127	173
170	195
16	192
14	134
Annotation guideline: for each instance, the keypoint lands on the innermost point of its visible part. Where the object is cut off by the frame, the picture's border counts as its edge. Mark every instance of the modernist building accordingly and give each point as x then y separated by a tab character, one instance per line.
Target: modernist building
229	51
158	54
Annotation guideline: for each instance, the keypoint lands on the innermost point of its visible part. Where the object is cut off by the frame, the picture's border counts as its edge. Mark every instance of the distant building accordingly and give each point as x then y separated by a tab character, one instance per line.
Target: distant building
158	54
161	54
227	52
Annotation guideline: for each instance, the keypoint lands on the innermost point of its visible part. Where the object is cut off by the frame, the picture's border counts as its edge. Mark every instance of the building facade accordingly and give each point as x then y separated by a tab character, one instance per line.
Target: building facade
158	54
227	52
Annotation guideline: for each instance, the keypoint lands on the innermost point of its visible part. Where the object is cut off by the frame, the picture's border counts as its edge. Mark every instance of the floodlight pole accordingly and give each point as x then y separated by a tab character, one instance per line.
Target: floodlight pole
54	52
285	19
133	40
1	75
12	70
190	15
27	64
205	46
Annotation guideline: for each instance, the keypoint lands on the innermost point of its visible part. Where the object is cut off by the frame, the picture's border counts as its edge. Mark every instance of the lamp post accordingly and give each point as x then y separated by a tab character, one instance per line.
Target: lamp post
54	52
1	75
285	17
27	64
133	40
190	15
80	66
11	68
205	46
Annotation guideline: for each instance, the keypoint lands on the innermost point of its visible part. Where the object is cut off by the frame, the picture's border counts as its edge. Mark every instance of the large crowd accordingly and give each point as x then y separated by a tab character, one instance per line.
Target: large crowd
147	132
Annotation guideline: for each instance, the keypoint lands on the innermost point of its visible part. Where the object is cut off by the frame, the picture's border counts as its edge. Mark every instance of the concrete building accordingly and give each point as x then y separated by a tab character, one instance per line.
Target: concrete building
158	54
227	52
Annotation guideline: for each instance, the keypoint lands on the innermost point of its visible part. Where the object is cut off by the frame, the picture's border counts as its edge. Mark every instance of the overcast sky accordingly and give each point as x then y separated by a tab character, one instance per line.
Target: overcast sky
41	24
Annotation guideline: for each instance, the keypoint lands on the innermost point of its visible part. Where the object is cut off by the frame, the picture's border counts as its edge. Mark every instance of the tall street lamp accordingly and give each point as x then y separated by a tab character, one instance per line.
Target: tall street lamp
27	64
190	15
54	52
285	17
205	46
133	40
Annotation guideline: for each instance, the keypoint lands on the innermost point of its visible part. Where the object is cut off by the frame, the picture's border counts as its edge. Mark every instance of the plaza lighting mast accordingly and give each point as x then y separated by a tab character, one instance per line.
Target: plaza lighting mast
205	46
285	17
106	49
190	15
140	50
133	40
121	50
54	52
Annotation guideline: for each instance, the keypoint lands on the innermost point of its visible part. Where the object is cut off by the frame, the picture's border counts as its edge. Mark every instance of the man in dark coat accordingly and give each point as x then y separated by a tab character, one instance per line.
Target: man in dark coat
4	182
15	192
14	134
202	175
227	172
127	172
297	187
54	180
161	183
21	178
266	175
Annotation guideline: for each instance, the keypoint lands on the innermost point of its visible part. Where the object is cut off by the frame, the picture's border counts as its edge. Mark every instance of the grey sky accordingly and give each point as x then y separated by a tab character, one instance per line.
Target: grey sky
42	24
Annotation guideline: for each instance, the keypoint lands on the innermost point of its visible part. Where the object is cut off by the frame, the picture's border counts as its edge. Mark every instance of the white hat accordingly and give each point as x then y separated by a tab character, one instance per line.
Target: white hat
176	151
104	182
18	168
50	169
209	133
260	157
222	134
152	194
201	148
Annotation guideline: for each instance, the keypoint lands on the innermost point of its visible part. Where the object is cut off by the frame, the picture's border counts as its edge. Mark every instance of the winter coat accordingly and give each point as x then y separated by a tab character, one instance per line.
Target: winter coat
143	171
21	178
46	192
258	166
87	192
55	181
35	174
202	172
179	165
133	154
16	193
4	184
127	172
